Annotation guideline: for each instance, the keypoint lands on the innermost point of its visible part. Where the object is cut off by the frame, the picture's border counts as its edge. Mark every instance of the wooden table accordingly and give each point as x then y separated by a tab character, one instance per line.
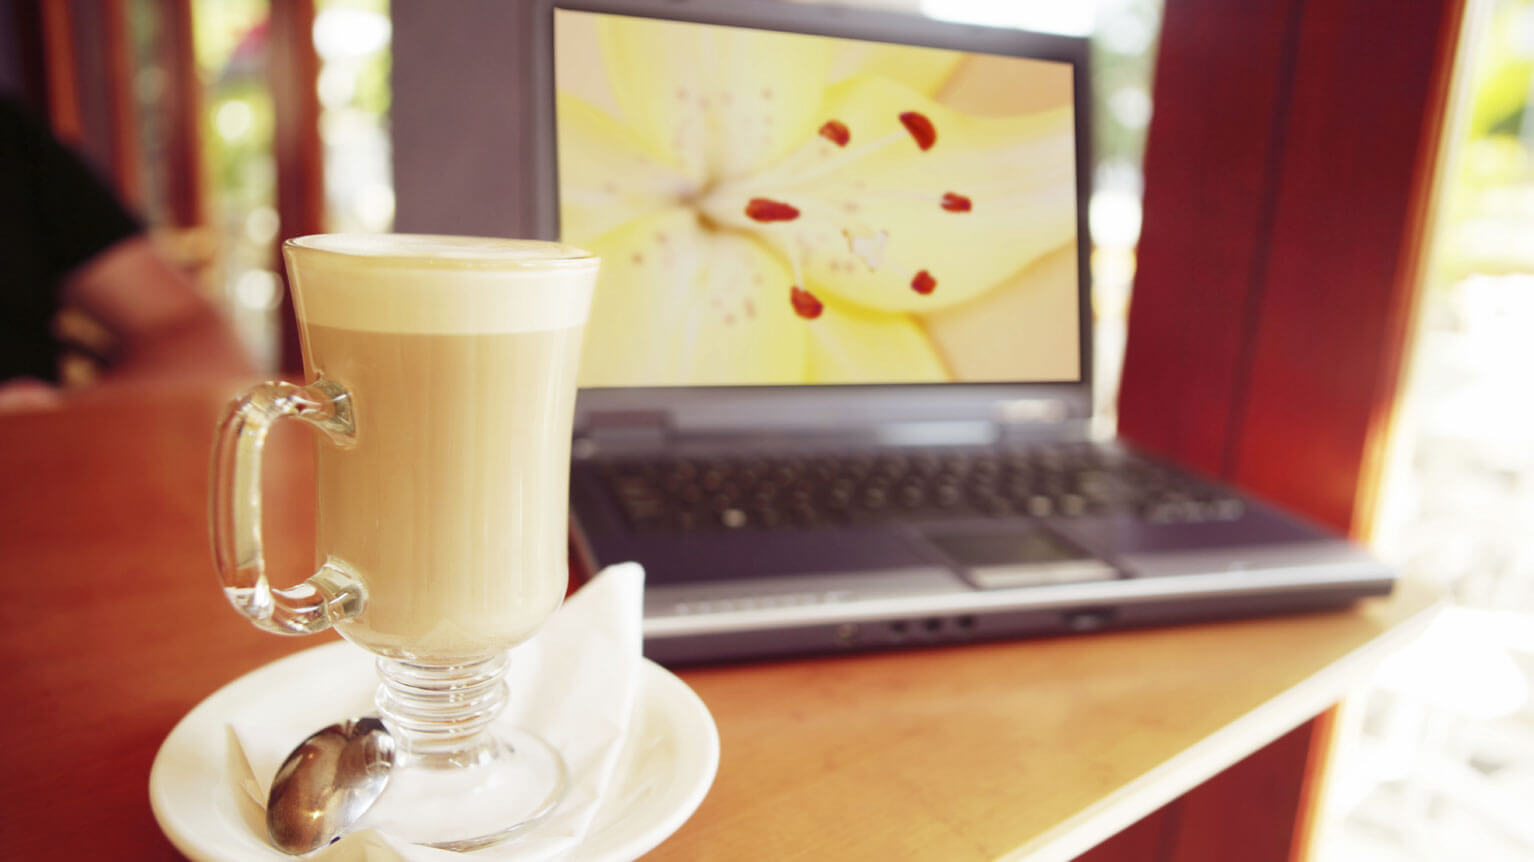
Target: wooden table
113	628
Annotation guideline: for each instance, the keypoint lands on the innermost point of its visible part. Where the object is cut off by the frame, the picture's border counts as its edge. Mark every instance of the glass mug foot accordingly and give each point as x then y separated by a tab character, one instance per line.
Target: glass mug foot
515	784
459	782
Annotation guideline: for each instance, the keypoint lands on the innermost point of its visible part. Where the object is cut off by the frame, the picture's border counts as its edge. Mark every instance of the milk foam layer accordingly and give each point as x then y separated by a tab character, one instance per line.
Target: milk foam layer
439	284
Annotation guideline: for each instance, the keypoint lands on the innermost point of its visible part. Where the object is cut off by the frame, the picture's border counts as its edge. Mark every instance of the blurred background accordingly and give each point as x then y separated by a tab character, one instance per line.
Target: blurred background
196	108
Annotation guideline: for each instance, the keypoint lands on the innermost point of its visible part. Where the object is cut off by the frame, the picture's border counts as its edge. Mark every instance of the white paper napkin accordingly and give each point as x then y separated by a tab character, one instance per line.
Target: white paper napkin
573	684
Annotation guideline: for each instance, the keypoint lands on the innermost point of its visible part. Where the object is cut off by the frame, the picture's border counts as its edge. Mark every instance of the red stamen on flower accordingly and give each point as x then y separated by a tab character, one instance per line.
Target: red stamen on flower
836	132
956	203
921	129
805	304
764	210
924	283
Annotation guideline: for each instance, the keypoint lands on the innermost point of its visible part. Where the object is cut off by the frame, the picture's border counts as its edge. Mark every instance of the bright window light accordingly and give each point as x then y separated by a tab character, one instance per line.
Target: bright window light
1040	16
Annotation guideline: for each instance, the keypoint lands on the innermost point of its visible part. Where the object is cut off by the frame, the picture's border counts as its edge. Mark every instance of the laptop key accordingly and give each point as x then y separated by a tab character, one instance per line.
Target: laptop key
912	495
948	495
997	507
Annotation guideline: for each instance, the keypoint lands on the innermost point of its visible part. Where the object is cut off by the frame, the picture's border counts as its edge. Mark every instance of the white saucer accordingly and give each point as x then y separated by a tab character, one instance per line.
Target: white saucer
665	769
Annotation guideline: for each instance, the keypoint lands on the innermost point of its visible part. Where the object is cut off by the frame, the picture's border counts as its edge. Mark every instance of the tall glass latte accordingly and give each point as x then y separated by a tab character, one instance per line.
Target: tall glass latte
459	359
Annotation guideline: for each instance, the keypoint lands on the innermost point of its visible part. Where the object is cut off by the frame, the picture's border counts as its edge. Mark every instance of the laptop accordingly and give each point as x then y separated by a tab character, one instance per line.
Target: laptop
836	387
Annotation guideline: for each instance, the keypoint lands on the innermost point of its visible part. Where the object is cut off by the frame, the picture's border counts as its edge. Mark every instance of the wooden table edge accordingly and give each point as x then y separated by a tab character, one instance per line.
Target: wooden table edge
1212	754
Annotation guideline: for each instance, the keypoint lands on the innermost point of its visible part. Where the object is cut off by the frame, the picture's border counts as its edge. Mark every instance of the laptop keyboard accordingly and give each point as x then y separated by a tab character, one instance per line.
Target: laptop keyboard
864	487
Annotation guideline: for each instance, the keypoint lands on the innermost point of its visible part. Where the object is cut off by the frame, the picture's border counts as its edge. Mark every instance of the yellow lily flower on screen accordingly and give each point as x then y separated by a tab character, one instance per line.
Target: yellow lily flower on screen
776	208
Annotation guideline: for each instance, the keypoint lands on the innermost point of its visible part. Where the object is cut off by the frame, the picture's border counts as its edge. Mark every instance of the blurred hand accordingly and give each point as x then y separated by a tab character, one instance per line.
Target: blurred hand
26	393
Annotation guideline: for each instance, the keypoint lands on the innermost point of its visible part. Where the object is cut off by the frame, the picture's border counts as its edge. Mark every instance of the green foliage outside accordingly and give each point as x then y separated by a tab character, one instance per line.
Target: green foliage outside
1488	217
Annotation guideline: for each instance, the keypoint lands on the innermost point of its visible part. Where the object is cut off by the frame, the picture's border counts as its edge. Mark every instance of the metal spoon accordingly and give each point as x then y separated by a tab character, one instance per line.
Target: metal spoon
329	781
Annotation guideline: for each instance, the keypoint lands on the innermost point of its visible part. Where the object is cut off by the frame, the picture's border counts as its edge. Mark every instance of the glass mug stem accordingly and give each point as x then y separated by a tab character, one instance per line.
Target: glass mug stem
441	710
332	594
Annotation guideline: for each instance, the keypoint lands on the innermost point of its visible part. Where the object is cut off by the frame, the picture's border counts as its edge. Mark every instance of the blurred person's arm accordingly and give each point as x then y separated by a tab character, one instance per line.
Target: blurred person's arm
164	327
66	239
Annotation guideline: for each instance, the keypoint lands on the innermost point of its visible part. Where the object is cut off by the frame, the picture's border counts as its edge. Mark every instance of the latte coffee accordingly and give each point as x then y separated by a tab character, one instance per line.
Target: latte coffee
459	358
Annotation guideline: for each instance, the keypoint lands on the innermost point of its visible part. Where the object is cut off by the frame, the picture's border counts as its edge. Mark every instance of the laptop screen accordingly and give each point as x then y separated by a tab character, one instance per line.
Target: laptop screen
775	208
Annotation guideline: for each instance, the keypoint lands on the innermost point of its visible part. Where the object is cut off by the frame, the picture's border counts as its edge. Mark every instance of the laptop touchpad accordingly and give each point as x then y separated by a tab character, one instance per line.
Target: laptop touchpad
1018	557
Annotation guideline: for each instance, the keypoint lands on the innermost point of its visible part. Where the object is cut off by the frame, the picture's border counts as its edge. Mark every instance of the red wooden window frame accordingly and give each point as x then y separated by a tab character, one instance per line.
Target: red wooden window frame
1288	180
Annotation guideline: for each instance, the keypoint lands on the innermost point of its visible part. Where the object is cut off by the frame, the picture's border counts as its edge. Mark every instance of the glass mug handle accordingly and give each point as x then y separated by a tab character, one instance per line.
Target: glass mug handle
334	593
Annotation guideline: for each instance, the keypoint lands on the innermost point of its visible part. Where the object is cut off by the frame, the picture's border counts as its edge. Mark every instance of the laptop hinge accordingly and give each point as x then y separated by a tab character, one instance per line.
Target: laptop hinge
624	427
1025	418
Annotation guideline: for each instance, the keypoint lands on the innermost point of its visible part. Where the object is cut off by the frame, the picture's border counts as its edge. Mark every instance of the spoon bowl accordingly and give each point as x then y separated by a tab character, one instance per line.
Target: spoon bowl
327	783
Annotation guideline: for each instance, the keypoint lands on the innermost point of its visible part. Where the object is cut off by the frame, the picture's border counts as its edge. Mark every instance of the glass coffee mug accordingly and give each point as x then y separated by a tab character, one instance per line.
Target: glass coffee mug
442	377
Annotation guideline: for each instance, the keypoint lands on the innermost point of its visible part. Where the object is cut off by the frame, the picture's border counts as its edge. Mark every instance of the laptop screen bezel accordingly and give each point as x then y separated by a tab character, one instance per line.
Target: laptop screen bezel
826	407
